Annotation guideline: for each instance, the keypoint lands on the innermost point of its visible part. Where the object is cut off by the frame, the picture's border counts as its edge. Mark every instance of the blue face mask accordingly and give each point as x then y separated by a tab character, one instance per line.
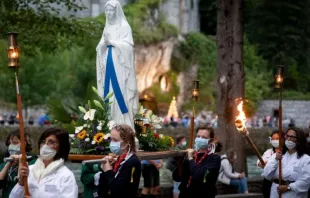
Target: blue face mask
201	143
115	147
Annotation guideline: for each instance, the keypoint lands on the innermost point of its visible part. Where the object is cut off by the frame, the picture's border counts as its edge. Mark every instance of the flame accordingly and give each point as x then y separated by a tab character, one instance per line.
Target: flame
279	79
240	119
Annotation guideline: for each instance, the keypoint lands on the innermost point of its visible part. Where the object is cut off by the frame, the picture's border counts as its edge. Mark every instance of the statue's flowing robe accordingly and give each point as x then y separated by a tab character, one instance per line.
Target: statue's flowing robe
124	64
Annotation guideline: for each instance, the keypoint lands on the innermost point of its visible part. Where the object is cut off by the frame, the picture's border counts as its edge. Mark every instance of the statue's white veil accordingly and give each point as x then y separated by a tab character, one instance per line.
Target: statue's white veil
120	16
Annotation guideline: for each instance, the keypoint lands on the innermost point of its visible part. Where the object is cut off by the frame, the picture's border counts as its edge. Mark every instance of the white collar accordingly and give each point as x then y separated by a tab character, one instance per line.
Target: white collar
40	171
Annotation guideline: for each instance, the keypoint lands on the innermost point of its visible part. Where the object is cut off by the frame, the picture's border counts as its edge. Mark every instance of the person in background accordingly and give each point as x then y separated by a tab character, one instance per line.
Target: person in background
122	179
227	174
295	167
87	178
48	176
150	173
274	141
172	163
9	170
201	168
185	121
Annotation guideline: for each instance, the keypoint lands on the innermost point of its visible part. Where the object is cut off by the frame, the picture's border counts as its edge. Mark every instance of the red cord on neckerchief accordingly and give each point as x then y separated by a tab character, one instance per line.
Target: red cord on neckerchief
118	162
197	163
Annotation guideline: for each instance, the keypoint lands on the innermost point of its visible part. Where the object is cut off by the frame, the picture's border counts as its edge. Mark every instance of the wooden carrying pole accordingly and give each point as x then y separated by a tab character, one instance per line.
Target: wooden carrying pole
22	133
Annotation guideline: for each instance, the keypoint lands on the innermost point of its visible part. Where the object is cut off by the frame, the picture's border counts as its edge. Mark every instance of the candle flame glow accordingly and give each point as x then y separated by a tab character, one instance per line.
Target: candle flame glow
14	55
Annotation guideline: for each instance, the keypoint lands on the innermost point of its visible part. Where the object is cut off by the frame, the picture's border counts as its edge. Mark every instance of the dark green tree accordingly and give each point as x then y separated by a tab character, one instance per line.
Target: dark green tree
41	25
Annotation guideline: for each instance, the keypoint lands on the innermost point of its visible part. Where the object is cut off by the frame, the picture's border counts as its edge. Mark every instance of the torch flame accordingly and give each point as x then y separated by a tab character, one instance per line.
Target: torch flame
240	119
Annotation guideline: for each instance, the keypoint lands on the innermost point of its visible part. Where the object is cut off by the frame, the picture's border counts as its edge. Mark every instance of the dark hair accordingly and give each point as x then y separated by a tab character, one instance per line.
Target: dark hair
274	132
230	153
63	139
16	133
218	147
301	144
179	138
204	127
127	134
284	149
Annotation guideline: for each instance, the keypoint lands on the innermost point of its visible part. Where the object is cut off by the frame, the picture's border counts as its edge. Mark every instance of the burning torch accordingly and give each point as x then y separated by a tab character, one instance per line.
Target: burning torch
240	125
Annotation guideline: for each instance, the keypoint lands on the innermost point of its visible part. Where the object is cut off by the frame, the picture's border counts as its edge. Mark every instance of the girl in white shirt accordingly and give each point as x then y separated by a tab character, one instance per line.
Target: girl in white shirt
49	177
274	141
227	174
295	167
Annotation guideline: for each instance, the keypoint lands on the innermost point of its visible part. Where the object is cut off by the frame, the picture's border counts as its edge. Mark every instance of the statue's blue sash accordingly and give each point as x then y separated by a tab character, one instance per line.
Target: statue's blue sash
110	76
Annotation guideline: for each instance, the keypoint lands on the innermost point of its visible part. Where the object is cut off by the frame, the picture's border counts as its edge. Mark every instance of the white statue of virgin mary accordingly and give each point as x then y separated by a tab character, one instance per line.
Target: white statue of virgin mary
116	65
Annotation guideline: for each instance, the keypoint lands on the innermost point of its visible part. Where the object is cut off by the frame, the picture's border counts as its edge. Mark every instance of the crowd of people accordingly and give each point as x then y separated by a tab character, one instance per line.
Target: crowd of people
196	174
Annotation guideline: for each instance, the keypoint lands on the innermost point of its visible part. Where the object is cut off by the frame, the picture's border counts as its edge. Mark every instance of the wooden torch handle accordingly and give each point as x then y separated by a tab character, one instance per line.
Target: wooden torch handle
22	139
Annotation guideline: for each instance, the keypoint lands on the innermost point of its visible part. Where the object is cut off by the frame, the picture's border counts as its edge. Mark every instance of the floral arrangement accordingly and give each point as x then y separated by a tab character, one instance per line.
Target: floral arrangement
89	124
92	129
146	124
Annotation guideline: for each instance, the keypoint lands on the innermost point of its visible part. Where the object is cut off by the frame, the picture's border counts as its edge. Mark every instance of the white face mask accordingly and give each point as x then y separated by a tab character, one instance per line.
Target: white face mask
184	144
14	149
289	144
47	153
275	143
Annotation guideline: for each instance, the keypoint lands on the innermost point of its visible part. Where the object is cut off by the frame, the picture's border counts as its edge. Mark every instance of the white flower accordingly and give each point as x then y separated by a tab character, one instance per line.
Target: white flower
78	129
161	135
93	142
155	121
99	128
111	124
106	136
71	136
89	115
101	122
149	113
89	126
84	125
146	121
141	110
87	140
144	135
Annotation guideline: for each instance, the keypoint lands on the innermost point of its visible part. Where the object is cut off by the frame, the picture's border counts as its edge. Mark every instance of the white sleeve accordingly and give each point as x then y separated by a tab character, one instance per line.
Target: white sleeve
271	167
17	191
302	184
69	188
227	171
266	156
96	178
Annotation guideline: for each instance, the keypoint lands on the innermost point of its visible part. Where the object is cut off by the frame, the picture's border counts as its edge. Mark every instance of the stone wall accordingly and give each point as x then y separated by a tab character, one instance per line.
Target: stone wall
292	109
